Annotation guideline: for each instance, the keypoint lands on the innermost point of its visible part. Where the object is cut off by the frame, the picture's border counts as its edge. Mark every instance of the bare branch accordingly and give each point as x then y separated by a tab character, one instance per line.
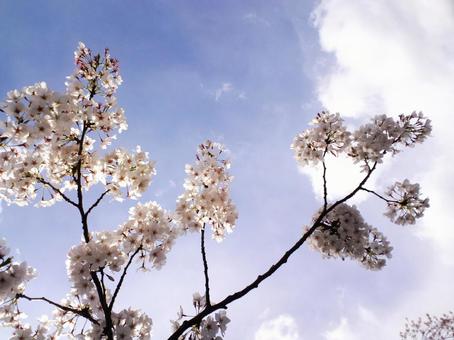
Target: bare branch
94	205
325	189
58	191
379	196
123	275
82	312
205	266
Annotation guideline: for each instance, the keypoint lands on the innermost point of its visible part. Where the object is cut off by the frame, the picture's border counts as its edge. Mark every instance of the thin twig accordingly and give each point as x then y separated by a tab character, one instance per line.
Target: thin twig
205	267
82	312
94	205
58	191
123	275
379	196
325	189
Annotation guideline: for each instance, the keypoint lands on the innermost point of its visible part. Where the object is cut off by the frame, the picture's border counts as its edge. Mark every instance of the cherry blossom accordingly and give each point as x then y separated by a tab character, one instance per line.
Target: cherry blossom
206	198
344	234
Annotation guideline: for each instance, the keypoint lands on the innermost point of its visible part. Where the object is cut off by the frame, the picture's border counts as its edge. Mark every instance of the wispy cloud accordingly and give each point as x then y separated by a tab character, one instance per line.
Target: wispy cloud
225	88
283	327
396	57
256	19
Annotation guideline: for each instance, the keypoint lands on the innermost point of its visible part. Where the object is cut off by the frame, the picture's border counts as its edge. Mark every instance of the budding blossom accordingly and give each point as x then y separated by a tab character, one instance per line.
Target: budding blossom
343	233
206	198
328	135
405	205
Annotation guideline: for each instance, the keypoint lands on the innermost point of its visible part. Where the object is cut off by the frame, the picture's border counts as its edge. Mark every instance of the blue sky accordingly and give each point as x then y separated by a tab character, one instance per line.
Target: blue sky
251	74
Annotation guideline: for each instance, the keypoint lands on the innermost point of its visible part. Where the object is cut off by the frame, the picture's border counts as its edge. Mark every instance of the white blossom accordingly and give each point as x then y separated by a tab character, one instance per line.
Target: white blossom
206	199
405	204
344	234
328	135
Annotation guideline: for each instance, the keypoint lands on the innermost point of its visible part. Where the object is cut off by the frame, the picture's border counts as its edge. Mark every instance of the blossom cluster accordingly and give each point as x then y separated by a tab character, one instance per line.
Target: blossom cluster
50	141
127	325
328	135
405	205
149	232
13	278
210	328
13	275
368	144
206	199
430	328
385	135
344	234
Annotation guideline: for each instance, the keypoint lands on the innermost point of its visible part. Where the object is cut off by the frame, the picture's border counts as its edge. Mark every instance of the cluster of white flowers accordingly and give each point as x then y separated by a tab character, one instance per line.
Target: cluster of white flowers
206	198
46	135
367	145
405	205
210	328
328	135
129	324
102	251
343	233
151	228
384	135
124	170
13	275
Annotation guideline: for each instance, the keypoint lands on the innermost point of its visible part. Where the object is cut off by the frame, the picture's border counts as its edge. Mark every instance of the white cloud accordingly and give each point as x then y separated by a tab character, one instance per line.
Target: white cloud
340	332
395	57
283	327
342	176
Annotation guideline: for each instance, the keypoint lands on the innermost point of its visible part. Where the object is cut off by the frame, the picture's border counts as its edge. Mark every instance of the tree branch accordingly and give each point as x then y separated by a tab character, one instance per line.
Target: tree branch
123	275
379	196
94	205
325	189
82	312
205	267
58	191
239	294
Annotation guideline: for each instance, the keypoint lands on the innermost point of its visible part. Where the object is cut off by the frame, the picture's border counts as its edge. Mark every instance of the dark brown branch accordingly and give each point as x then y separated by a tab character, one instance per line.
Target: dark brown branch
325	189
94	205
82	312
57	191
379	196
205	267
239	294
123	275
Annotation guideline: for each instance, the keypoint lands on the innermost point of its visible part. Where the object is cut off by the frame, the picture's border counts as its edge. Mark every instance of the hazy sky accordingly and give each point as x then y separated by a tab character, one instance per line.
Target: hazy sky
252	74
